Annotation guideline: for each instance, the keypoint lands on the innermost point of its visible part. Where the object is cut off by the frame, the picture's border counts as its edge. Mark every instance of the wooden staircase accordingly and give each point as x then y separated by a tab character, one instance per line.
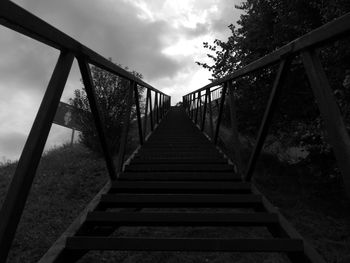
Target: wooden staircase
179	168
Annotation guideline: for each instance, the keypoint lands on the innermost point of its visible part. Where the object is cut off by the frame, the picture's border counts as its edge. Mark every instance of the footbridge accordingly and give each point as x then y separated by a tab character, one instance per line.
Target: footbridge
178	176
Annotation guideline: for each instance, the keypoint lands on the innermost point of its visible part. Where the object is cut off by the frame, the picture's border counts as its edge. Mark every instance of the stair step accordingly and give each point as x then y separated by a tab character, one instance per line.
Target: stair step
181	219
184	244
179	155
180	176
179	167
180	186
181	200
178	160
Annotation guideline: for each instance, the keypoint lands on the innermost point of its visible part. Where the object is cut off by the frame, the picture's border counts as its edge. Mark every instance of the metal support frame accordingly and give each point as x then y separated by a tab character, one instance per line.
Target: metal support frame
21	183
267	119
334	124
89	87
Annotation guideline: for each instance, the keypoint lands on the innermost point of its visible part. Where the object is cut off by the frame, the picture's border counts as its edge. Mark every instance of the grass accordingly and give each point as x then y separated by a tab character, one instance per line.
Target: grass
66	180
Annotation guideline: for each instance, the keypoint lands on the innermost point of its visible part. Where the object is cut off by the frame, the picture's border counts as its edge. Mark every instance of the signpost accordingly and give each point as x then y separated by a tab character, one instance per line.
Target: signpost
65	116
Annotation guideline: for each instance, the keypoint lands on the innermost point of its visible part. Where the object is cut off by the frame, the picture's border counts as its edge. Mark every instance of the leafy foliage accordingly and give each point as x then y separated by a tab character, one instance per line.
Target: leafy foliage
265	26
111	94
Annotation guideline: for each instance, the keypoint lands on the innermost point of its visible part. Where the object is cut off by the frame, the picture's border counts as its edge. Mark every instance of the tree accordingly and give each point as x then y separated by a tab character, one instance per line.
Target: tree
111	94
265	26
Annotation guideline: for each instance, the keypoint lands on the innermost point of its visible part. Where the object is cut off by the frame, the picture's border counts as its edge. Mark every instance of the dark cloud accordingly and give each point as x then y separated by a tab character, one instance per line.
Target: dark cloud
115	32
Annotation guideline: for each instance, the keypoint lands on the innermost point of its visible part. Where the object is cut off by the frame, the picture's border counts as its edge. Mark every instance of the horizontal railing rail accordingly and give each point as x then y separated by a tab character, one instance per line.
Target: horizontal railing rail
20	20
305	47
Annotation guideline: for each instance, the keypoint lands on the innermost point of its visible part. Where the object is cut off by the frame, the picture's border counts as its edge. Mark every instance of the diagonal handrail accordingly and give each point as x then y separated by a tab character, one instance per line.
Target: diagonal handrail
22	21
306	46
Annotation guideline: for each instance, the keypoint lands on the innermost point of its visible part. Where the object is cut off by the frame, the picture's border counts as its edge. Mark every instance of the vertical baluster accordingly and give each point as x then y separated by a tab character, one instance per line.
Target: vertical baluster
334	124
145	117
89	87
151	111
222	102
267	119
204	111
210	114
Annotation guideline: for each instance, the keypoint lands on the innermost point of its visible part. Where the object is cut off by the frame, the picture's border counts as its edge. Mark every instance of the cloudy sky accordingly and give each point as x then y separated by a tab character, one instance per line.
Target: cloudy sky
161	39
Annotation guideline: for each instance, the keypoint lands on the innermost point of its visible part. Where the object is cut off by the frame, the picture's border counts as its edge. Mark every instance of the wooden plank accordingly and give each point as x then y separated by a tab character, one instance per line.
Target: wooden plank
180	167
181	200
138	161
186	185
268	115
22	180
335	127
98	119
185	244
181	219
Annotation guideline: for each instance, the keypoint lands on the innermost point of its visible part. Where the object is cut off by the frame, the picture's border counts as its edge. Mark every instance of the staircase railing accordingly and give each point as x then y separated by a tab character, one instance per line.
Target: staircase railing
305	46
20	20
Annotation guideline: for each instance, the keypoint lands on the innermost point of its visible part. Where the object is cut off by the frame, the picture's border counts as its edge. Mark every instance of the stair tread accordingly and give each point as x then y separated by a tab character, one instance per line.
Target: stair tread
167	219
185	244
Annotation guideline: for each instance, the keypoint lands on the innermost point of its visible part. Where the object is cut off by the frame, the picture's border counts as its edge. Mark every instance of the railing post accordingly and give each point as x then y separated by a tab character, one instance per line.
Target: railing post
138	113
126	124
222	102
336	130
210	114
156	107
267	119
200	108
192	106
234	128
204	111
89	87
161	105
145	117
197	108
22	180
151	111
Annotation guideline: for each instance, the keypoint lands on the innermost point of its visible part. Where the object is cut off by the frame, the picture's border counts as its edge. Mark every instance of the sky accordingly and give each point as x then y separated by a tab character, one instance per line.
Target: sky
161	39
